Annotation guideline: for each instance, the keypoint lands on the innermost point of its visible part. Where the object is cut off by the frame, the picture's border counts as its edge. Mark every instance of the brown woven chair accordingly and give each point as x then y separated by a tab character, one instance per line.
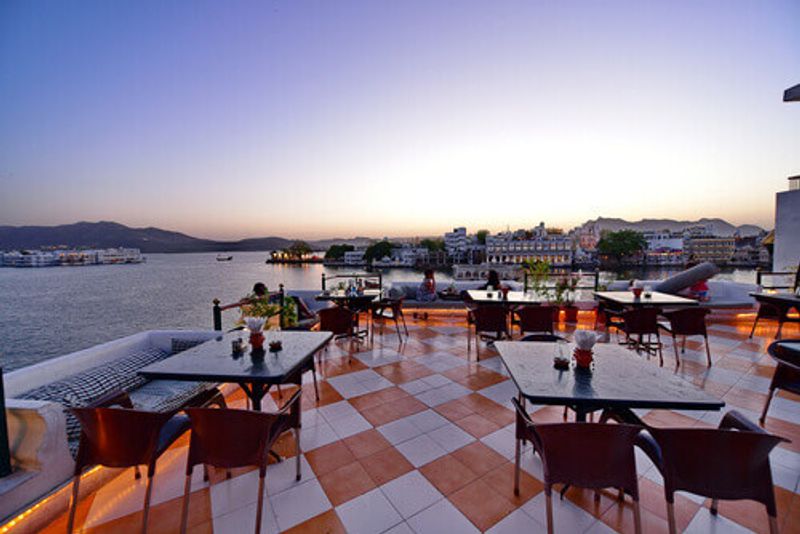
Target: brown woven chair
731	462
641	322
786	376
586	455
492	319
238	438
687	322
123	437
394	307
536	319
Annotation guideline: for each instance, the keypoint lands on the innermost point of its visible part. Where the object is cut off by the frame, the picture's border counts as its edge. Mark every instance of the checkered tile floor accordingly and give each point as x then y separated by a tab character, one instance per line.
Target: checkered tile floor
419	438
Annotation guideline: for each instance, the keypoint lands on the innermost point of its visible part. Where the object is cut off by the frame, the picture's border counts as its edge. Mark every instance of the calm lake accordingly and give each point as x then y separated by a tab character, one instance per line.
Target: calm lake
53	311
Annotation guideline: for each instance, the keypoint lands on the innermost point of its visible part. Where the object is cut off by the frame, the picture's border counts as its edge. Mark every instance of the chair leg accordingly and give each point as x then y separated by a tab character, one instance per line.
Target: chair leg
316	387
637	517
708	349
780	327
763	417
297	451
714	506
137	474
683	345
260	503
566	413
773	525
660	352
671	517
73	503
517	454
187	485
549	510
675	346
405	328
397	327
147	493
755	323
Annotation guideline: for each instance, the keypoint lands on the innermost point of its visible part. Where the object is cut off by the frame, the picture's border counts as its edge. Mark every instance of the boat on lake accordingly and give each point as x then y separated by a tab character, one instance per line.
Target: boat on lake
223	257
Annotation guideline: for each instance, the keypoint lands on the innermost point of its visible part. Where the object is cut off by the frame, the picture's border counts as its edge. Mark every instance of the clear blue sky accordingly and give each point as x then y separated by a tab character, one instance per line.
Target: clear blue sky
312	119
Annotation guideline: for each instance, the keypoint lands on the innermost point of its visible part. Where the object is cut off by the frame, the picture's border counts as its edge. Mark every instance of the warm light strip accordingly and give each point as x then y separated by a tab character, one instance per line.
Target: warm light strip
9	527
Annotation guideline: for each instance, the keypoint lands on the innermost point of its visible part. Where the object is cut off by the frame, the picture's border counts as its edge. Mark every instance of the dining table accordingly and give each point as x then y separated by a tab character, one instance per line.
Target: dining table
512	298
781	304
627	299
617	380
255	371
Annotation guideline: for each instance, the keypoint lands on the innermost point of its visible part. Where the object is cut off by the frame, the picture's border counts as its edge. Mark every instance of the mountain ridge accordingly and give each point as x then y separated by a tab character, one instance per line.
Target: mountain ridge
107	234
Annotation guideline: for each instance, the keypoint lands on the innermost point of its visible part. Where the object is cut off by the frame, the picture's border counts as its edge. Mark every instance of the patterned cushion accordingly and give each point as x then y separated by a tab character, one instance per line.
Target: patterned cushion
180	345
166	395
87	386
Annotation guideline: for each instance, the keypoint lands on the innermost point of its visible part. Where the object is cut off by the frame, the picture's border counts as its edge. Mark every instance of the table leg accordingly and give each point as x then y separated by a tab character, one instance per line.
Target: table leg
255	392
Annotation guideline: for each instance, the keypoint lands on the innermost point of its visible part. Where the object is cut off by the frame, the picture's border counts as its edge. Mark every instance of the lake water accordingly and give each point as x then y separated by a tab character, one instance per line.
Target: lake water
52	311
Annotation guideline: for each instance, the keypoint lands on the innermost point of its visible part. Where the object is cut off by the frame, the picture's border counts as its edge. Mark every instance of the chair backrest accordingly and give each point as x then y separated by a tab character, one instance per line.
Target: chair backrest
588	455
777	350
688	321
719	464
118	437
641	320
490	319
537	318
230	438
338	320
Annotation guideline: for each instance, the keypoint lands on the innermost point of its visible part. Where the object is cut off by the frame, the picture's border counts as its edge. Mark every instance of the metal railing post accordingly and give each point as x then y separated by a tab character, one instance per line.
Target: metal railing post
281	319
5	453
758	276
596	279
323	281
217	315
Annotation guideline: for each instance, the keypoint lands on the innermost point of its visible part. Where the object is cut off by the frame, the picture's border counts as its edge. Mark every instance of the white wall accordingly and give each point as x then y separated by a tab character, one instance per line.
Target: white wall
787	231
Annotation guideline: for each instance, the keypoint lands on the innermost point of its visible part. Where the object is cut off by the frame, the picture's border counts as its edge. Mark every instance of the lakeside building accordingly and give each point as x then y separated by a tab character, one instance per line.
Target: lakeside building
404	256
55	258
714	249
664	247
354	257
537	244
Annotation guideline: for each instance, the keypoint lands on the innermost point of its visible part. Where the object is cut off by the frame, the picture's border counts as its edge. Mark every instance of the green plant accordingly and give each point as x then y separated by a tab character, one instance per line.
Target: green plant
538	272
290	315
569	285
259	307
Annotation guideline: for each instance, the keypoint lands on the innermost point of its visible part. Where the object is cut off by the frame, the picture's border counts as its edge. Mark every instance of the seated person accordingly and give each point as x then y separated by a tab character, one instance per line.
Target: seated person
492	280
426	292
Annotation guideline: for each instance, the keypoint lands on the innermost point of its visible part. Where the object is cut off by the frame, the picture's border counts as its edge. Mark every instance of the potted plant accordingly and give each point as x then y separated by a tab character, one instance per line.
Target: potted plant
538	271
565	297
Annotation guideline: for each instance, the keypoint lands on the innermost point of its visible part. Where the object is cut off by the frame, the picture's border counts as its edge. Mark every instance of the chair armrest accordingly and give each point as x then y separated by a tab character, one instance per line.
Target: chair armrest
112	398
737	421
291	410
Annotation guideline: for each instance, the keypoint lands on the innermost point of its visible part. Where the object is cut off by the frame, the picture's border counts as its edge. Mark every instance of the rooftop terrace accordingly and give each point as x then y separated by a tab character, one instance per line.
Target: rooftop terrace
419	438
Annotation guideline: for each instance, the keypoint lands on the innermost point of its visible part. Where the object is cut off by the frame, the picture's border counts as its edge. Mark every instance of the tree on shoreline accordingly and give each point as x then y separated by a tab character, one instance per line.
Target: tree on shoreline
336	252
377	251
617	246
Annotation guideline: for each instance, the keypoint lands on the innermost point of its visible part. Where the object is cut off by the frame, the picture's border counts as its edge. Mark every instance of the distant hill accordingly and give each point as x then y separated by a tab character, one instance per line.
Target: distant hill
719	227
110	234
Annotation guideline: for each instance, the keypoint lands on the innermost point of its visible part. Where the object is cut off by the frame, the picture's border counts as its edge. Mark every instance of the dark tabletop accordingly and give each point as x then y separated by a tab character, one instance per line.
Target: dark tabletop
340	296
620	379
627	298
514	297
788	299
214	361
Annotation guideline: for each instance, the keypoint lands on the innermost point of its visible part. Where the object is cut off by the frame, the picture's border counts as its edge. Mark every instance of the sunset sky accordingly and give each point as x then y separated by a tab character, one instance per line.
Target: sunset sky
317	119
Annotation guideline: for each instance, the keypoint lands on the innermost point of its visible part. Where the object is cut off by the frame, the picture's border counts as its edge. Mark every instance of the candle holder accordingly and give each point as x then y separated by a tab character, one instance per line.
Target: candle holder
583	358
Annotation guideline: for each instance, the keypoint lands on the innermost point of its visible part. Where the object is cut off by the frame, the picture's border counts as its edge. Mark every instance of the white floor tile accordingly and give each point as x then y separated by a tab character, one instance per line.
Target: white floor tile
705	523
515	523
337	410
299	503
566	516
420	450
411	493
439	518
317	436
370	513
400	430
350	425
450	437
244	520
281	476
427	420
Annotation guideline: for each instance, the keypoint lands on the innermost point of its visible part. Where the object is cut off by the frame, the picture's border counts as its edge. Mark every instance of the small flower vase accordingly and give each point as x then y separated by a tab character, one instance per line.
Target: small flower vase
257	340
583	358
504	291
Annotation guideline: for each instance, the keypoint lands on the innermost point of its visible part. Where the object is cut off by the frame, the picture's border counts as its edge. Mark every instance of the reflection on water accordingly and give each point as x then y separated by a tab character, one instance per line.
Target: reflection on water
53	311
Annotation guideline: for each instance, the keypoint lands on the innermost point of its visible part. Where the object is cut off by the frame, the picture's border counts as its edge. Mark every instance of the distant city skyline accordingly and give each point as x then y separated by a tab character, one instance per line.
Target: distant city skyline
334	119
